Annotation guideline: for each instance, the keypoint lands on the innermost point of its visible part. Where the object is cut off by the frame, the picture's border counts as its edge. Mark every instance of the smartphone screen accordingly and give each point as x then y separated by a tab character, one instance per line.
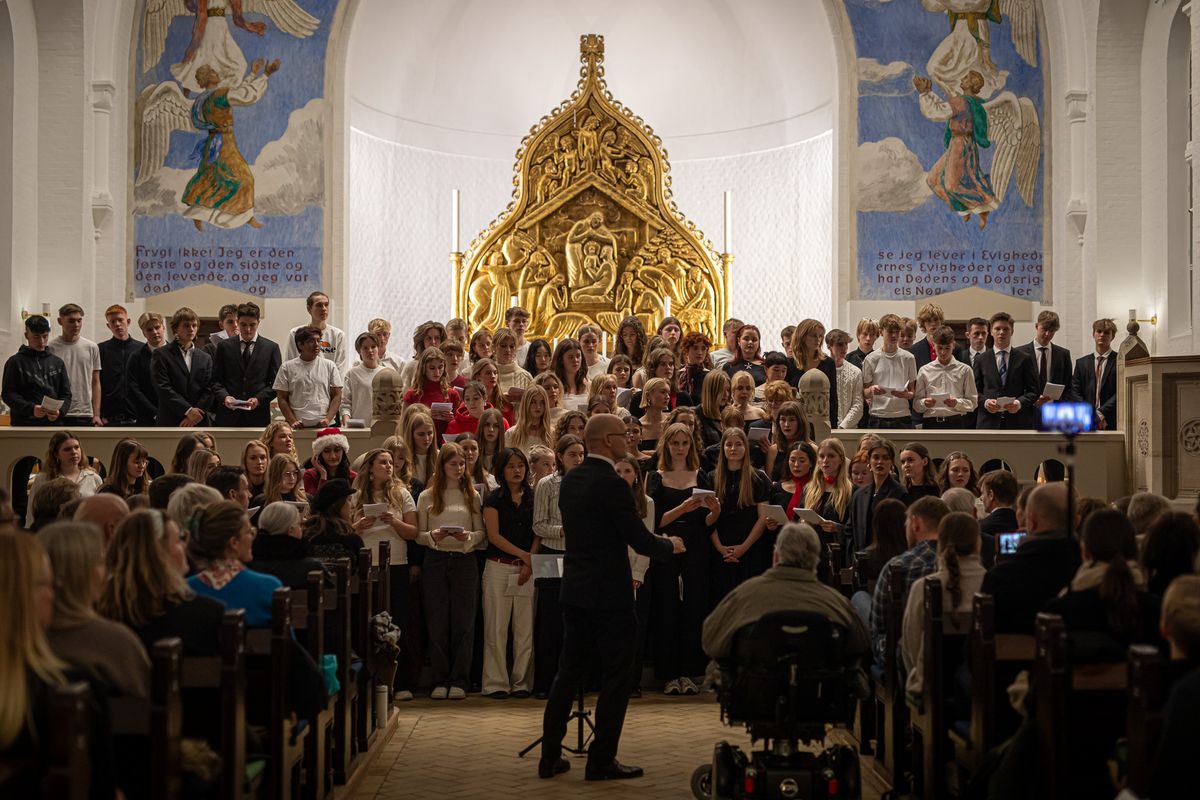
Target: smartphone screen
1007	543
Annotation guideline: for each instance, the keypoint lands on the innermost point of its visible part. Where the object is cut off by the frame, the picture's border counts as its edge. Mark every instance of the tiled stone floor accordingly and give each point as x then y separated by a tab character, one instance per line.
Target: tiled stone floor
468	750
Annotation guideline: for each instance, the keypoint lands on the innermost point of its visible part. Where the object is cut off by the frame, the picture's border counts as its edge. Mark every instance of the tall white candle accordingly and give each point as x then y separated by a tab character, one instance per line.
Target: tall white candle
604	343
728	222
667	306
455	240
512	301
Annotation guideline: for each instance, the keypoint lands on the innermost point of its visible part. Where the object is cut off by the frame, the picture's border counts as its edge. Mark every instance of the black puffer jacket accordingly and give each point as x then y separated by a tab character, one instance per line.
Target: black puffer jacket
30	375
284	557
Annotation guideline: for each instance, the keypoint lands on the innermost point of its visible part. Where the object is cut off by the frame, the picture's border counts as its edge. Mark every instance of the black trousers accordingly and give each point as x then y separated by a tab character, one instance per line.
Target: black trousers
450	585
607	636
76	422
892	423
680	602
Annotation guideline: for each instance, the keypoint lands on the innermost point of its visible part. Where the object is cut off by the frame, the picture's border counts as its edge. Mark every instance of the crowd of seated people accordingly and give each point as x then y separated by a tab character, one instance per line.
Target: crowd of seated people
466	491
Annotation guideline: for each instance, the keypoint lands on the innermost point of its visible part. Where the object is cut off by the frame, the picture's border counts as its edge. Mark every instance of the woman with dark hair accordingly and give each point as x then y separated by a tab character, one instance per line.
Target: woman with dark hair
748	357
49	501
958	471
508	522
589	337
430	386
801	460
920	476
480	346
621	368
693	350
677	613
887	537
127	470
882	458
961	574
807	354
1108	594
539	358
329	533
789	426
570	370
330	459
631	341
1169	550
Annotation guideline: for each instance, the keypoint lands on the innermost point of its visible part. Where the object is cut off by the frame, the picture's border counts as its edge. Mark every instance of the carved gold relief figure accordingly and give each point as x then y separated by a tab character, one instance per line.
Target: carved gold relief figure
590	236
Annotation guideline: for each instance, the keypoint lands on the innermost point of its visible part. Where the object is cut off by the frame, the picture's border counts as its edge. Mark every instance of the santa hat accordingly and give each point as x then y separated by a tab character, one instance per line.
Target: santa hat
330	437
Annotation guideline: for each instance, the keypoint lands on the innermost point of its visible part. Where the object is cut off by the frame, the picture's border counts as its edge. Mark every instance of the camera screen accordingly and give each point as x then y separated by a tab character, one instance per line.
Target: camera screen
1067	418
1007	543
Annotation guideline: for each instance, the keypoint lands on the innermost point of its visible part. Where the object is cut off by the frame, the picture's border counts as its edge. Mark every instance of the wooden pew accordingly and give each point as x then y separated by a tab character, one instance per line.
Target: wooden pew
308	620
381	576
337	642
1055	681
930	721
862	581
891	710
362	604
151	728
67	770
988	650
226	673
267	667
1149	684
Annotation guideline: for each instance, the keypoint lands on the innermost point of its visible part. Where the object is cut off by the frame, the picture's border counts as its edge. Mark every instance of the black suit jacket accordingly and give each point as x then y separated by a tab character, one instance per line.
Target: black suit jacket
599	521
1027	580
233	378
862	503
1083	384
1060	367
1021	382
179	389
1001	520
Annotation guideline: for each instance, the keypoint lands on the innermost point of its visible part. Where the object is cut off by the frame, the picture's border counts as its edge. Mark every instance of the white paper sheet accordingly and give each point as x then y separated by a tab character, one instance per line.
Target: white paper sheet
450	437
777	513
1053	391
446	407
809	516
50	404
756	434
374	509
698	492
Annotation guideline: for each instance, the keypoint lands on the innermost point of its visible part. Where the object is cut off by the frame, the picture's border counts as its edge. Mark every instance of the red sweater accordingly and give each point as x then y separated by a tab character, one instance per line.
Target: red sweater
463	422
433	394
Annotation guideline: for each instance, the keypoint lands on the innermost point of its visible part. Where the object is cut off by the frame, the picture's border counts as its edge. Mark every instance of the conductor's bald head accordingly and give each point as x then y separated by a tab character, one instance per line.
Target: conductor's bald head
604	435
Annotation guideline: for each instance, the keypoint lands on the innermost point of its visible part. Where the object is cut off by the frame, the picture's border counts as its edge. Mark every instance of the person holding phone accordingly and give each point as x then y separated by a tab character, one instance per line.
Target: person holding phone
450	525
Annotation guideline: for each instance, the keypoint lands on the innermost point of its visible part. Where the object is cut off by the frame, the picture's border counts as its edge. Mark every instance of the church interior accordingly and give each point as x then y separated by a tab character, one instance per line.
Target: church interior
890	304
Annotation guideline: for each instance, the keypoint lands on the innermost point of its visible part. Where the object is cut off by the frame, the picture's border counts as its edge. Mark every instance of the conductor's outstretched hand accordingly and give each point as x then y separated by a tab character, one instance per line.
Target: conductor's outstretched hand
677	544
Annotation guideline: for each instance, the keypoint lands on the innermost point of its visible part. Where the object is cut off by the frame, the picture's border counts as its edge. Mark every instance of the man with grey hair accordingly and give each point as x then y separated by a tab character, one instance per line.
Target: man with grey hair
1144	509
789	585
957	498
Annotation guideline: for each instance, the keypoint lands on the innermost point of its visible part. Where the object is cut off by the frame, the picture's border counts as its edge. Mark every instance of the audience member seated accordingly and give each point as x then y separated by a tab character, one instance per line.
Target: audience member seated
186	501
163	487
45	507
220	542
107	651
29	671
1043	565
998	490
200	463
1144	509
1169	550
960	500
789	585
127	470
278	548
1174	773
887	542
64	459
961	573
921	530
105	511
328	533
1108	594
283	482
882	456
231	483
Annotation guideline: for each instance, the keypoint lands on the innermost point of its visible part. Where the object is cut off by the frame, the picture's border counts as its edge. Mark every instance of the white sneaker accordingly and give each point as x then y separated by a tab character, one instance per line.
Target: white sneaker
438	694
404	695
457	693
688	686
672	687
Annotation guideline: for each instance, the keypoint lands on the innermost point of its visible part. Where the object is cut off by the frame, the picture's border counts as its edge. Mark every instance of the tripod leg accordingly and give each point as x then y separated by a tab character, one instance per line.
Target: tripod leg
530	746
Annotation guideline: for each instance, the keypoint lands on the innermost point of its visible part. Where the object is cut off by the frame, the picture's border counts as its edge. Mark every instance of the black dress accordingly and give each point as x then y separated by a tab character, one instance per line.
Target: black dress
679	599
733	526
919	490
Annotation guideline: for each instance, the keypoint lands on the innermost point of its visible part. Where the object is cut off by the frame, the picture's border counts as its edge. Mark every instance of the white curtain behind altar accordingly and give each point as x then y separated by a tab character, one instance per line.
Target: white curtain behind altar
399	228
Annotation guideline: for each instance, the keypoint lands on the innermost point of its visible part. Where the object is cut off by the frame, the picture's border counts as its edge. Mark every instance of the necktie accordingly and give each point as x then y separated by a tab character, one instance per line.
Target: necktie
247	347
1003	367
1099	373
1043	368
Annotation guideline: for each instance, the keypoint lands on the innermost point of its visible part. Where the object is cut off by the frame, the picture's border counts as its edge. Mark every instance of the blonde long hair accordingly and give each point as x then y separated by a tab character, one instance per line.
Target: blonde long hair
22	562
275	469
269	433
715	384
438	486
392	492
141	579
520	431
75	550
746	481
432	456
803	360
840	490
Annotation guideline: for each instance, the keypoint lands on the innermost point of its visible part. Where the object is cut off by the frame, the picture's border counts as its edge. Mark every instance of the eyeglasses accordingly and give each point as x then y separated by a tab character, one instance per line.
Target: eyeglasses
292	473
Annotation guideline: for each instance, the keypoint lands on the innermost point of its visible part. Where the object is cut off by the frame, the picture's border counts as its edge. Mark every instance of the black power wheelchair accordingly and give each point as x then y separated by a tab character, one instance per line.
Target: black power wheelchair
784	682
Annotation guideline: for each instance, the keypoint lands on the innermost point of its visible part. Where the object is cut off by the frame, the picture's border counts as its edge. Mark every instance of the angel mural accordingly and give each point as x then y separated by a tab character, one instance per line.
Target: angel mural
210	79
1008	122
969	44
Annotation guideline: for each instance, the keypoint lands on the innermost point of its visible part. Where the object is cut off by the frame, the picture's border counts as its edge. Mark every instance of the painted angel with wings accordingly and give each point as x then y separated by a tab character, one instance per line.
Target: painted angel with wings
969	43
1008	122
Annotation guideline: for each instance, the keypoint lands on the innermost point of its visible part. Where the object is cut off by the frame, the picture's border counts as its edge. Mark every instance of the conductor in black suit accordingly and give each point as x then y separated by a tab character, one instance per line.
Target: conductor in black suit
182	375
1004	371
244	368
599	617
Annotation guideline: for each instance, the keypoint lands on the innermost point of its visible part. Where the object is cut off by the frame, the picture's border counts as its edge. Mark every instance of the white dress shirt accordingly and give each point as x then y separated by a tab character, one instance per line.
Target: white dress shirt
955	379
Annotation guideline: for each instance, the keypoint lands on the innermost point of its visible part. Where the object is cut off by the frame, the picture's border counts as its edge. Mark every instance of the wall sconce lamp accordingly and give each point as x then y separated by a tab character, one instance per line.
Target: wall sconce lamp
1133	317
45	312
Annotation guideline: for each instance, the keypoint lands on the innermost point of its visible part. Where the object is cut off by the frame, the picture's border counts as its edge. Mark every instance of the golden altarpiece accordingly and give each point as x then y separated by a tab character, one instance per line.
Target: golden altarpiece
592	234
